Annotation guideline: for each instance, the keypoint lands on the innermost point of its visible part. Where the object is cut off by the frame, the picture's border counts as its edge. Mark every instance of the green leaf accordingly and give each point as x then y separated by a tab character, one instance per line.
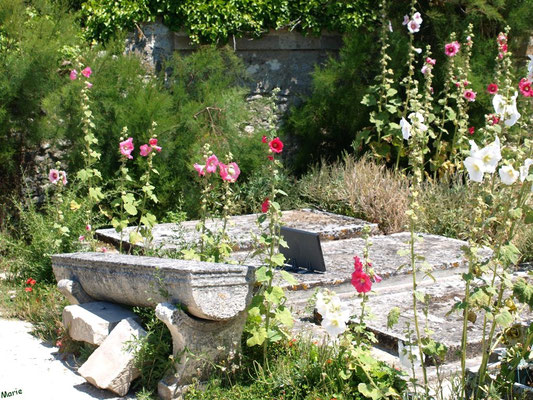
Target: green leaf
96	193
149	220
135	237
523	291
275	295
510	253
284	317
259	335
130	209
504	319
291	280
278	260
368	391
393	316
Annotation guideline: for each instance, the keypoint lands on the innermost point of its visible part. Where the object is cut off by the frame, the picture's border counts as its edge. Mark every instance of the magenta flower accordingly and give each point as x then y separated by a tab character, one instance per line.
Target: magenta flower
229	172
211	164
153	142
430	61
145	150
452	48
525	87
357	264
88	84
470	95
88	228
361	282
73	75
86	72
276	145
492	88
63	176
200	169
53	176
126	147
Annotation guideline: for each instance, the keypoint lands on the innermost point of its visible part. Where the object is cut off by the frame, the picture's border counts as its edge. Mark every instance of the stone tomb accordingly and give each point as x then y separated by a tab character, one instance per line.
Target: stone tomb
173	237
203	305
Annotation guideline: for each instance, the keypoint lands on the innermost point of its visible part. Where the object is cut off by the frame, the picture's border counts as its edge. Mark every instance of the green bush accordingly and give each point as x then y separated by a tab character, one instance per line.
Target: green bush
216	21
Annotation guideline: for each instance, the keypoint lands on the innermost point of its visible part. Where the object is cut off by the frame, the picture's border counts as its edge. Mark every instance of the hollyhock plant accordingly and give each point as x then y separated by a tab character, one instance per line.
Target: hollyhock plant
211	164
229	172
126	147
508	174
53	176
265	206
492	88
276	145
470	95
86	72
73	75
145	150
451	49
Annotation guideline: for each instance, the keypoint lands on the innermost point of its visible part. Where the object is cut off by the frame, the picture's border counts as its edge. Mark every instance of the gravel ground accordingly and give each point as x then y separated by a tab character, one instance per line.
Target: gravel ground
35	370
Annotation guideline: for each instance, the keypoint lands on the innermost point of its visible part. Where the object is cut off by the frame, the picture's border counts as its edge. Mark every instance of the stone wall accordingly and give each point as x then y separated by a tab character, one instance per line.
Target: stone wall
280	59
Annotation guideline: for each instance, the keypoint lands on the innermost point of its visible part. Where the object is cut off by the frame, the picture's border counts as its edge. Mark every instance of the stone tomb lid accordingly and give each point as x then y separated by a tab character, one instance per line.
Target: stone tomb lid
175	236
440	253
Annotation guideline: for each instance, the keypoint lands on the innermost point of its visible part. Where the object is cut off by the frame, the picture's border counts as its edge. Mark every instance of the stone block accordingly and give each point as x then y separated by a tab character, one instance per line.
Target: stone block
111	366
93	322
73	292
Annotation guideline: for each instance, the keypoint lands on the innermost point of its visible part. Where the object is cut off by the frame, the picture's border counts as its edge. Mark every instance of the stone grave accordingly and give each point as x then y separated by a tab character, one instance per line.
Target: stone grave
175	236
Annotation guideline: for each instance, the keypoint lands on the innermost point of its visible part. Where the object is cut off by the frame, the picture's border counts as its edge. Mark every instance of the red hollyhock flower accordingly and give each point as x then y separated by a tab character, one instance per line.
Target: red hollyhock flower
28	289
357	264
525	87
492	88
265	206
361	282
471	130
264	139
276	145
271	158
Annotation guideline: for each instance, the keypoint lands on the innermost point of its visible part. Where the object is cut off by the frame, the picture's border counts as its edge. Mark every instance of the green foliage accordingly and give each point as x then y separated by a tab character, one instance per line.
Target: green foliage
33	42
301	369
216	21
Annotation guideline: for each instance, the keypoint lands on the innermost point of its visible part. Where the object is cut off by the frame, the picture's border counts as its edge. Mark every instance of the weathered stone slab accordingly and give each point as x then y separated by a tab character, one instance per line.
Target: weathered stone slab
176	236
93	322
197	347
439	253
111	366
211	291
73	291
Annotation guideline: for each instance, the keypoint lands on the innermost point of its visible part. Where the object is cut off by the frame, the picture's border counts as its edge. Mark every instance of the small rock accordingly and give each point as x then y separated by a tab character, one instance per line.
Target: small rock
111	366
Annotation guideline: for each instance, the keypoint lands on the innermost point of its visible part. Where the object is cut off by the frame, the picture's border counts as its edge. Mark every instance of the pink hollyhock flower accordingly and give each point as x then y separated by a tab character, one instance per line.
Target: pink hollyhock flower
86	72
413	26
264	139
504	48
271	158
361	282
492	88
53	176
211	164
145	150
430	61
89	85
265	206
451	49
417	18
73	75
81	238
376	278
466	83
525	87
424	69
405	20
200	169
88	228
63	176
501	38
470	95
103	249
493	119
229	172
126	147
471	130
153	142
276	145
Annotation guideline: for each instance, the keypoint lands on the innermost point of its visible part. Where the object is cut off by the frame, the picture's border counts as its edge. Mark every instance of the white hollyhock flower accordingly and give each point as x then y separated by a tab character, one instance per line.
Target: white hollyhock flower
490	156
334	324
530	66
413	26
417	18
524	169
417	50
508	174
406	129
507	109
418	119
475	168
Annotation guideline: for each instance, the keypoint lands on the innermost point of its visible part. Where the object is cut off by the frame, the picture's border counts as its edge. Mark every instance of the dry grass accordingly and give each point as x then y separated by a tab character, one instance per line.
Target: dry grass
363	189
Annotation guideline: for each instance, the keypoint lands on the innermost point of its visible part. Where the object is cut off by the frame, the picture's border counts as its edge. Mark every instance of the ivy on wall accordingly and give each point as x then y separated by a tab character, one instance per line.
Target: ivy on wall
215	21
